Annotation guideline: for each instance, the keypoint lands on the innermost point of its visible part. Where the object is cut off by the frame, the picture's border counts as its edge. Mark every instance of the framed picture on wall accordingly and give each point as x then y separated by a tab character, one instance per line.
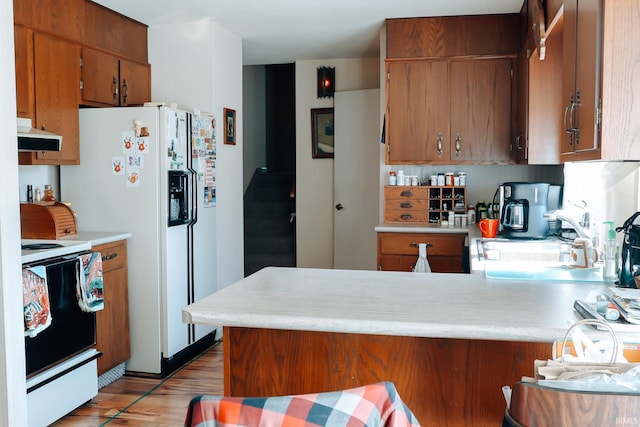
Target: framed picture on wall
229	126
321	133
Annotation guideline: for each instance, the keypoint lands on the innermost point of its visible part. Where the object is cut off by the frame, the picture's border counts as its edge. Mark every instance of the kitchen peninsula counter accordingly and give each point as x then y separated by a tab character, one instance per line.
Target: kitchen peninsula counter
449	342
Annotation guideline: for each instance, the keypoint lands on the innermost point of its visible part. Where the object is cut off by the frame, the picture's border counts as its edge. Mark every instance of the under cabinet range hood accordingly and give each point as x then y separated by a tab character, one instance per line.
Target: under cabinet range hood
31	139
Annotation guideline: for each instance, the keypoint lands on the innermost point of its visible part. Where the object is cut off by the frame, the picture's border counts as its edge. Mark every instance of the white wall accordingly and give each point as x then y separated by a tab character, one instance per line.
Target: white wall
255	126
13	398
314	177
199	65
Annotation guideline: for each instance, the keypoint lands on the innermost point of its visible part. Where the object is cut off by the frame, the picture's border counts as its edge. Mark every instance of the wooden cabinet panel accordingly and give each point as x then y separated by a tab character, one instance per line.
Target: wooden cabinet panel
87	23
445	382
481	109
417	112
452	36
65	19
399	251
100	77
620	82
25	91
109	80
111	31
112	323
581	79
135	83
56	81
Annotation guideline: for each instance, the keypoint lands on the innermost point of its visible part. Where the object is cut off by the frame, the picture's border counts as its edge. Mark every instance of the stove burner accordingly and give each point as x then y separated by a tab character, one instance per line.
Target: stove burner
36	246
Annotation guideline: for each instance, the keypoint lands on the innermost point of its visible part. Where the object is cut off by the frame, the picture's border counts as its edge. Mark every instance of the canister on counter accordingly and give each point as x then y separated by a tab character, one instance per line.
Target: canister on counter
414	179
393	179
471	214
463	178
434	180
441	179
400	178
448	179
481	210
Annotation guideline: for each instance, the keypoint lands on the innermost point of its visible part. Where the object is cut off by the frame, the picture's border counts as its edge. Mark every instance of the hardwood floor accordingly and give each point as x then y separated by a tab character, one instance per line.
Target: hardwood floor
134	401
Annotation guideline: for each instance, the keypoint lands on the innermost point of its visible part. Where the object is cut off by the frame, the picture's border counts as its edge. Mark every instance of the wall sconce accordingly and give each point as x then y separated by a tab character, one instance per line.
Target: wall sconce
326	82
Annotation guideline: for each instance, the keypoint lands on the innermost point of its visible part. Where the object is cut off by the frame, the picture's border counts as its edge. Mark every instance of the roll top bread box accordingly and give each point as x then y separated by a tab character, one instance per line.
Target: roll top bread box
47	221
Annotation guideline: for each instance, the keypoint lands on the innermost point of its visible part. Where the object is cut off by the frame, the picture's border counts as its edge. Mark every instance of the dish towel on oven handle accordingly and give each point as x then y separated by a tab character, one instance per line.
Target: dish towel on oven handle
90	285
35	298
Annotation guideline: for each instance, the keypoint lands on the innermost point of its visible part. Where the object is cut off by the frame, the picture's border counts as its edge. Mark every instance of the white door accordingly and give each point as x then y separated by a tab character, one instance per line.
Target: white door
356	178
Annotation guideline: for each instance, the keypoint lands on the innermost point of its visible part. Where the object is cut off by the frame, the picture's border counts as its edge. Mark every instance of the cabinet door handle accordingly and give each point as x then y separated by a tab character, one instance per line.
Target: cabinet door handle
125	91
406	193
109	257
115	89
405	216
439	144
406	205
415	245
458	144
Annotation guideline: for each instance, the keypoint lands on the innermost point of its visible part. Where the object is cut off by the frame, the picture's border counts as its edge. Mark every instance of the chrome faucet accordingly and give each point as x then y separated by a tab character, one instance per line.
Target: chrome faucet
562	215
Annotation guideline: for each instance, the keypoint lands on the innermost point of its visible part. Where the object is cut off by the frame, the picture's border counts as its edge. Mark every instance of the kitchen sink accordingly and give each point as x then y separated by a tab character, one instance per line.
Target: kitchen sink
531	260
541	271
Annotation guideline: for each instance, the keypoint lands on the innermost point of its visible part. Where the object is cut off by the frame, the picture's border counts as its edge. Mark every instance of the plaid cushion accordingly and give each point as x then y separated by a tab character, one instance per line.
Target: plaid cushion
372	405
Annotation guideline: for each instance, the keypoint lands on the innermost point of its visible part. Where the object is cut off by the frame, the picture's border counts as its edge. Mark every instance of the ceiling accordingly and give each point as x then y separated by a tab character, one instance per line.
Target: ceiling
284	31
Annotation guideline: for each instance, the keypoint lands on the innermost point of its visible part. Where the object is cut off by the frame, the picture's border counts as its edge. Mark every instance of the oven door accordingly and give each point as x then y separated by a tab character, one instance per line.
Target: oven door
71	330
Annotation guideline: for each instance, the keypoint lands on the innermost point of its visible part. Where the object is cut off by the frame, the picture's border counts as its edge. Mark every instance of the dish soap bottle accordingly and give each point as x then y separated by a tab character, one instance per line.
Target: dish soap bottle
610	271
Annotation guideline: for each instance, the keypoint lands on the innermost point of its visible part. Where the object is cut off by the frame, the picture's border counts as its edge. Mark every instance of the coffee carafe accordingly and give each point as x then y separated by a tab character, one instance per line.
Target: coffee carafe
522	208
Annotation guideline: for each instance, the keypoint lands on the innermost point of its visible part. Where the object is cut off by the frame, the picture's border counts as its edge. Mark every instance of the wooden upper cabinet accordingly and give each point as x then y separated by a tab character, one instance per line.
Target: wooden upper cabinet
87	23
581	79
56	79
135	83
453	36
450	89
417	112
100	77
480	110
109	80
449	111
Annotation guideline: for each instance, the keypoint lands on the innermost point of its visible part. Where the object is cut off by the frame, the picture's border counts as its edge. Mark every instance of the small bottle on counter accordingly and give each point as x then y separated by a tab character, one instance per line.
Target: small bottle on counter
471	214
36	197
463	178
48	194
400	178
441	179
393	179
29	193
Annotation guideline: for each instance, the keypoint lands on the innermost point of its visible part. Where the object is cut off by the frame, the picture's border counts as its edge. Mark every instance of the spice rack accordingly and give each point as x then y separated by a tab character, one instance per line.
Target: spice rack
443	200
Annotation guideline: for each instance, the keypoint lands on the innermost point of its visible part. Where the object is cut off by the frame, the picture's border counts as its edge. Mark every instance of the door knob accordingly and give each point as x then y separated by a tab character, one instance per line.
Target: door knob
339	206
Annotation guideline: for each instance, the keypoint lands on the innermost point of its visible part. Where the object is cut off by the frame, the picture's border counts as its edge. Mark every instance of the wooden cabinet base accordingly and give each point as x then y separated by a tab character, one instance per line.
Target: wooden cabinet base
452	382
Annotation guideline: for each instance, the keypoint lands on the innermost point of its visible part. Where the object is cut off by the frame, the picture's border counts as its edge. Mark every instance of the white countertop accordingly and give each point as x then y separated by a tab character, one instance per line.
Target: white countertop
423	228
85	241
395	303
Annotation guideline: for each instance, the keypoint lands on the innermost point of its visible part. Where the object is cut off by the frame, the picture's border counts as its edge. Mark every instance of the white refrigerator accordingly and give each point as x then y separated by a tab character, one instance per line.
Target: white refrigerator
141	172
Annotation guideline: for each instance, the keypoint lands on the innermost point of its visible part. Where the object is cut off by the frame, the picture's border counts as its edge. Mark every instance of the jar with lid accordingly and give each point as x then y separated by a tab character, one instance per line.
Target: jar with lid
48	194
393	179
400	178
441	179
463	178
481	210
471	214
448	179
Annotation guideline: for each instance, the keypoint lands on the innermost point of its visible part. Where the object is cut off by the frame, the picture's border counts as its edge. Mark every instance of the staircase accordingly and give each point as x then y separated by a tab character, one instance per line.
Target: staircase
269	221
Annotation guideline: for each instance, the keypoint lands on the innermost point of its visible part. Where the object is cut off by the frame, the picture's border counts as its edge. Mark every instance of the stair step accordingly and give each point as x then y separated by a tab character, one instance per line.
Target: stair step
267	210
269	245
254	226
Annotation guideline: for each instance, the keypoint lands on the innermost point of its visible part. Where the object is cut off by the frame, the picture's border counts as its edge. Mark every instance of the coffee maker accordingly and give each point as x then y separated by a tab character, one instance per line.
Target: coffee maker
522	208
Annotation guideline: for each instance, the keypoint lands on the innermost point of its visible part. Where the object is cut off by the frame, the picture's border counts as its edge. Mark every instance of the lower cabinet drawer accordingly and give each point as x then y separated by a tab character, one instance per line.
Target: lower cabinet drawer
407	243
399	251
